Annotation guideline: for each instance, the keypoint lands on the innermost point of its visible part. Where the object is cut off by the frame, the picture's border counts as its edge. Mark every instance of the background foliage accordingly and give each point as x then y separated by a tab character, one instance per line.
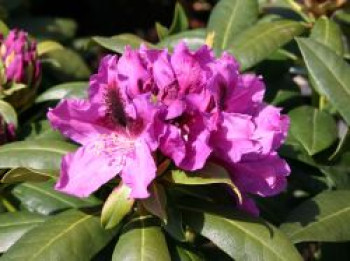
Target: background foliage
304	59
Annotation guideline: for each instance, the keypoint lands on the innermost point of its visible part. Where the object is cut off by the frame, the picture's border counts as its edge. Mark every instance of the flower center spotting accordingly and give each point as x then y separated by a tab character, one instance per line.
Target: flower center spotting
115	147
115	106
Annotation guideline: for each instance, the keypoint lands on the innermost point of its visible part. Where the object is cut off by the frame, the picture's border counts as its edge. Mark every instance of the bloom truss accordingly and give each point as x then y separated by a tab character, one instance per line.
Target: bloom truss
187	106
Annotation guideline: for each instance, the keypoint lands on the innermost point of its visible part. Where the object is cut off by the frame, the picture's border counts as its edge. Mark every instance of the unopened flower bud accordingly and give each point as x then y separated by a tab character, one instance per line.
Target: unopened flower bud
20	68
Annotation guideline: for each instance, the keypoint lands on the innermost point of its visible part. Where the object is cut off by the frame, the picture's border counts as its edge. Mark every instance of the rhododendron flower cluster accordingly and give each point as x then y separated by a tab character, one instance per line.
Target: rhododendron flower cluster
191	107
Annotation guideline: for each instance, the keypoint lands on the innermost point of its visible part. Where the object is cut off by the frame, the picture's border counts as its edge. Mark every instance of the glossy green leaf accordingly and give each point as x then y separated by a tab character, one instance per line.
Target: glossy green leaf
65	90
60	29
8	113
293	149
14	225
323	218
156	203
48	46
39	154
230	18
119	42
71	235
116	207
328	33
28	175
44	199
141	240
192	38
244	238
67	65
330	72
210	174
261	40
315	130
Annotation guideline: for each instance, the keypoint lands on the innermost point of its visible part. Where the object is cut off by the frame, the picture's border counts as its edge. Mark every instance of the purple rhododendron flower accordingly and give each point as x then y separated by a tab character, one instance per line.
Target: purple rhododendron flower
189	106
19	57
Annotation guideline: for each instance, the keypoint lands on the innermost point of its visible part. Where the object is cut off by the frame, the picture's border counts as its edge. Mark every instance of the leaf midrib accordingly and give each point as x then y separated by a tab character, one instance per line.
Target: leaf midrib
325	66
321	220
253	40
7	150
50	242
48	194
252	235
228	28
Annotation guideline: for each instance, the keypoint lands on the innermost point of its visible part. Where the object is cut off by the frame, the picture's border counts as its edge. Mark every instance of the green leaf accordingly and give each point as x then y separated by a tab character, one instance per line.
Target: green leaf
4	30
244	238
156	203
119	42
117	206
174	221
67	65
183	254
28	175
41	130
44	199
180	21
210	174
39	154
72	235
59	29
63	91
261	40
230	18
324	218
162	31
14	225
192	38
48	46
8	113
327	32
141	240
315	130
331	74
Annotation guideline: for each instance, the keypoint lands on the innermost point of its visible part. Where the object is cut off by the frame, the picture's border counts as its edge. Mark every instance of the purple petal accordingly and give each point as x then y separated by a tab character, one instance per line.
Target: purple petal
233	137
188	71
77	119
139	171
264	176
197	143
85	170
248	205
107	75
272	128
247	96
133	73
